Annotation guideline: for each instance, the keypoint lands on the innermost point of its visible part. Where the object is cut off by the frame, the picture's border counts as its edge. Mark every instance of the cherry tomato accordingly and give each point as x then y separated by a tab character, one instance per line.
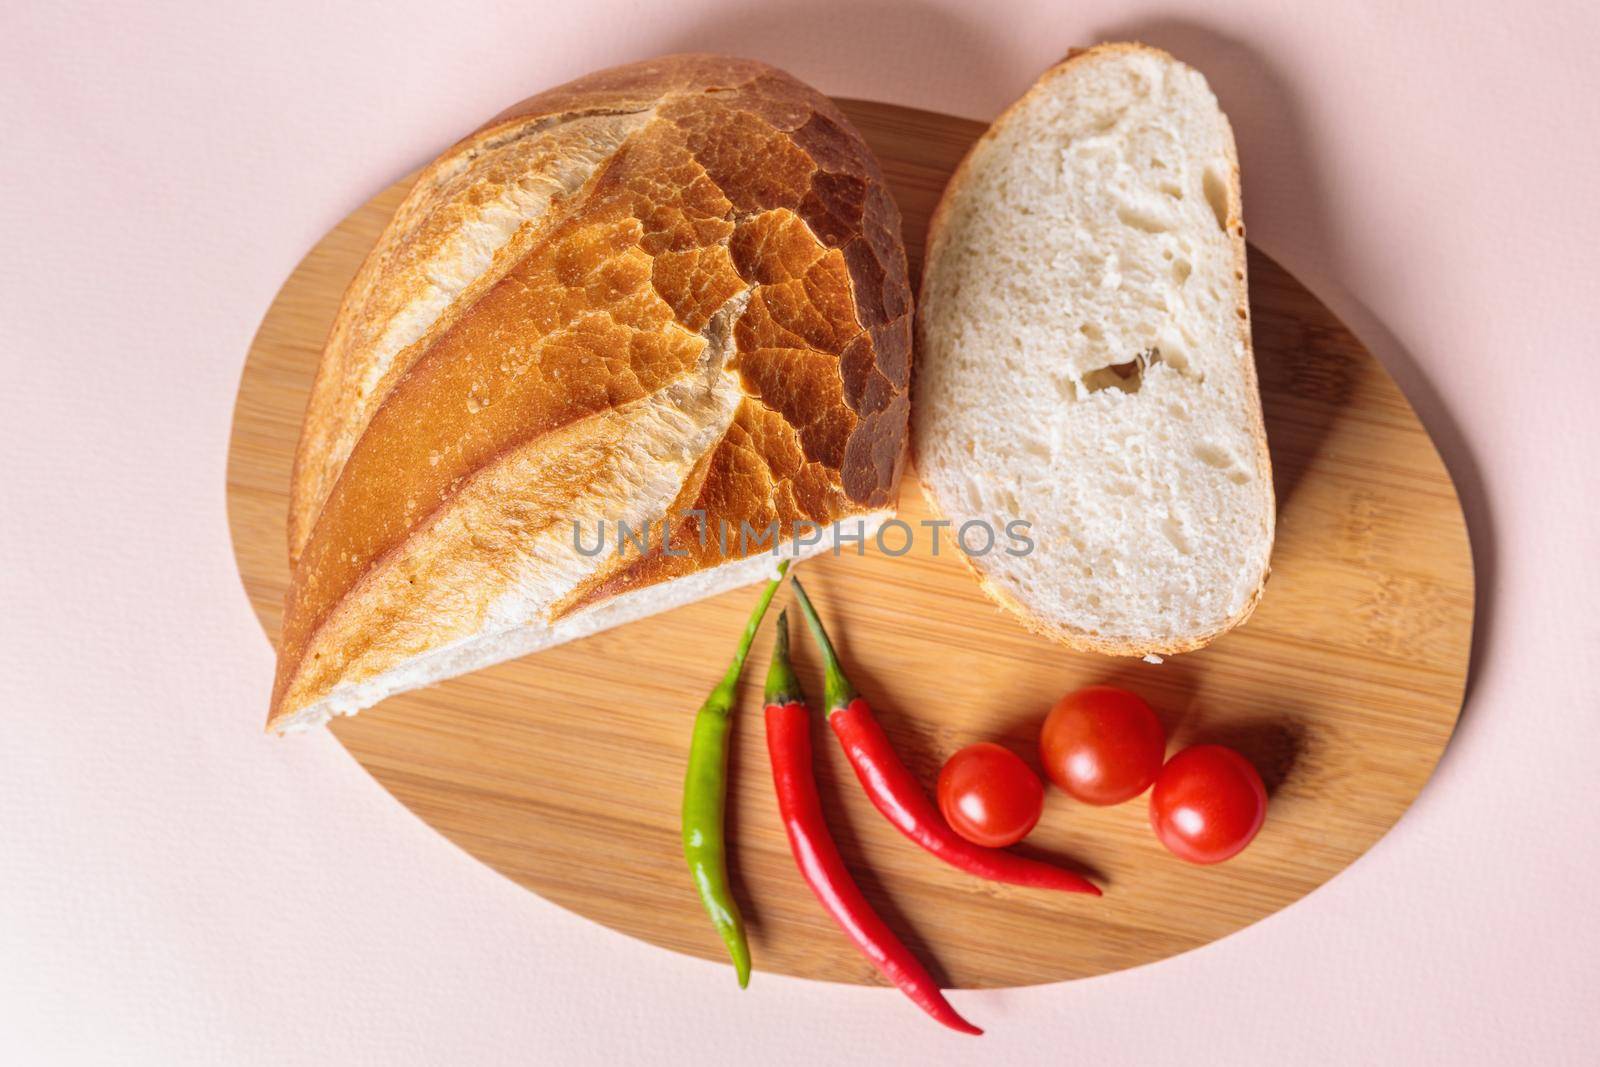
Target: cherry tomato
989	796
1103	745
1208	804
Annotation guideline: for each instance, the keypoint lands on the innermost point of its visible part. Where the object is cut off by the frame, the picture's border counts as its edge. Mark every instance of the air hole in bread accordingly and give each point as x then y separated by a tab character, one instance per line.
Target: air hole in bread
1123	377
1138	219
1128	377
1174	352
975	498
1216	190
1173	531
1091	331
1214	455
1181	269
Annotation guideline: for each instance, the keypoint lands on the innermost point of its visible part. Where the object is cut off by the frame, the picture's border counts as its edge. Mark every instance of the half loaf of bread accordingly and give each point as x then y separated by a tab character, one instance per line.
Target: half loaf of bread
1084	360
671	294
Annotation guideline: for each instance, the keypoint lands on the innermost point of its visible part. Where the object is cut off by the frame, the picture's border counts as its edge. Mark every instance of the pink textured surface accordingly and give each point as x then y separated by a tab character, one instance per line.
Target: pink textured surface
178	889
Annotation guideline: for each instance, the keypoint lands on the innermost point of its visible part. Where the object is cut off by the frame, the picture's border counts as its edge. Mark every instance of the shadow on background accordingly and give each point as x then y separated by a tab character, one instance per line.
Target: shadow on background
956	57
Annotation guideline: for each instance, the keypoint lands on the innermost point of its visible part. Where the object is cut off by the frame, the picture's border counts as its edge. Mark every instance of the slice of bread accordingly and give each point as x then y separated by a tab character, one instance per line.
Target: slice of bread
1084	360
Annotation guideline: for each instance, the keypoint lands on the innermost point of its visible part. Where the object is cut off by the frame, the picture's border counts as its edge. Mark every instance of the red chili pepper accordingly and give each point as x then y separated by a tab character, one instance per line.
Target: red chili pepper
896	793
789	745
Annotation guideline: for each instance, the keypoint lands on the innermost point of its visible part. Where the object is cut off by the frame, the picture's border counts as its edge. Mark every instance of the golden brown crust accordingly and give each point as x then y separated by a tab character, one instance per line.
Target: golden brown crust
421	275
713	254
1035	623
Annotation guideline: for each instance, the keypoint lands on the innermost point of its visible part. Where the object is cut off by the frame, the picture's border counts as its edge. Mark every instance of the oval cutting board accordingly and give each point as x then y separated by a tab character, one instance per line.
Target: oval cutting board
562	770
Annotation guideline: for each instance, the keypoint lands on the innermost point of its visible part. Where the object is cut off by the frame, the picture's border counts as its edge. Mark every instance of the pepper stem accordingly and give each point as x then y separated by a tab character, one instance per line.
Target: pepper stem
782	685
837	688
721	698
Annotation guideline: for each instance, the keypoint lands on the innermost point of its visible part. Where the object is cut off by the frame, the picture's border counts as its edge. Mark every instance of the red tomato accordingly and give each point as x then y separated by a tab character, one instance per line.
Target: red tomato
1208	804
989	796
1103	745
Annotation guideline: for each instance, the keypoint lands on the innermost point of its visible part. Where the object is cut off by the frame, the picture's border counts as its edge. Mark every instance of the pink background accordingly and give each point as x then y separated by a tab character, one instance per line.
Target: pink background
176	888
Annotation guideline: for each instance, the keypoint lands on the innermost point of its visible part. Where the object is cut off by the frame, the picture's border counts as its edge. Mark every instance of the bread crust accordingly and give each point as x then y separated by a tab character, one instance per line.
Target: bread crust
1112	645
703	303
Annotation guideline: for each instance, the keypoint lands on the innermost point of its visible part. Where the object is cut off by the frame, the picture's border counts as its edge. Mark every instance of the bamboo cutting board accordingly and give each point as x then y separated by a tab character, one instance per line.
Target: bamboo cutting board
562	770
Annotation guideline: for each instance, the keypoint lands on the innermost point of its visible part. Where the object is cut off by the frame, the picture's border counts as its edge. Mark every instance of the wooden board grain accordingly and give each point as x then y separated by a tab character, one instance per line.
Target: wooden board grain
562	770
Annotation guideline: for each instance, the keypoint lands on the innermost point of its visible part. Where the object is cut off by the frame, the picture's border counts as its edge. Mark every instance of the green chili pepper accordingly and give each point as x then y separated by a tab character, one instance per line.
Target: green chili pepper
705	797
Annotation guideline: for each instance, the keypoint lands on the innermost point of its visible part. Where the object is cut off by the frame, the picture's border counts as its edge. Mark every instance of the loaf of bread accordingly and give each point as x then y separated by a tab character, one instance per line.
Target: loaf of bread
1084	360
671	294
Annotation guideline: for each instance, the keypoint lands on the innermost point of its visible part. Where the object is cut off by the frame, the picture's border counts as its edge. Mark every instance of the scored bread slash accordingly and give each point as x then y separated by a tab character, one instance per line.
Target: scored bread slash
1084	361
